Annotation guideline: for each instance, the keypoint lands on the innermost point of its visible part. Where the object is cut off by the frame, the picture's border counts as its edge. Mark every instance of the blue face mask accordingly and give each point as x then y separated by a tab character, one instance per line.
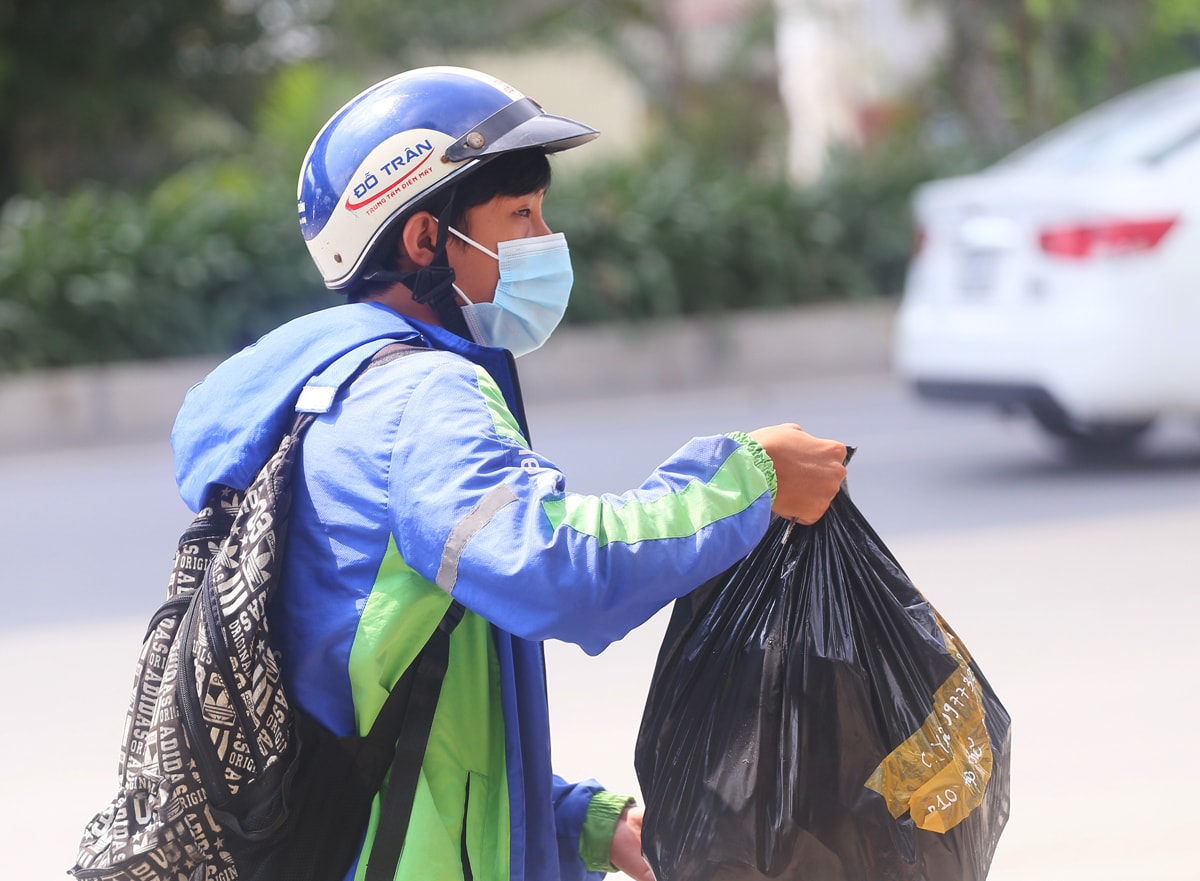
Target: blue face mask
531	296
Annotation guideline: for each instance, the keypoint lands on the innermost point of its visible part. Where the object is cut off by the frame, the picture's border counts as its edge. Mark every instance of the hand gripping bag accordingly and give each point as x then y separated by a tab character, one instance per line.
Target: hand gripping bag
812	716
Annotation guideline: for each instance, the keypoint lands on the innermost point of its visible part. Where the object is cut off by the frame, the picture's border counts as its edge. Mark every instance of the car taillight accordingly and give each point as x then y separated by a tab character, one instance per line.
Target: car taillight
918	240
1081	241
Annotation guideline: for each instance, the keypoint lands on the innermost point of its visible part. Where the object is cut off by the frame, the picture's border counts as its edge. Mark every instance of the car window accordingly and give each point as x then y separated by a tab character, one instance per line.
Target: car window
1145	126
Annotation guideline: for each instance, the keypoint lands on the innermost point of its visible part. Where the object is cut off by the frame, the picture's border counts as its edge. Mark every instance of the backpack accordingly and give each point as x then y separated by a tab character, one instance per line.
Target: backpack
221	777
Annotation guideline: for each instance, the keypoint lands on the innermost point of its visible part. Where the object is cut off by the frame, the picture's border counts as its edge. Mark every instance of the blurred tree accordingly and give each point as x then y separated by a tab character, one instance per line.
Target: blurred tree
127	91
711	94
113	90
1016	68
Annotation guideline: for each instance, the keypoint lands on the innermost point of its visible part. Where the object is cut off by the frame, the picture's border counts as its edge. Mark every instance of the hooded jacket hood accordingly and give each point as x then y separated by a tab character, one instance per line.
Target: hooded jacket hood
231	422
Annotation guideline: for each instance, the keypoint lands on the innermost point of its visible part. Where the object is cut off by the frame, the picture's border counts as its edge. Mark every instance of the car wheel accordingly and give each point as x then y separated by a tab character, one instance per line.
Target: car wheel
1087	437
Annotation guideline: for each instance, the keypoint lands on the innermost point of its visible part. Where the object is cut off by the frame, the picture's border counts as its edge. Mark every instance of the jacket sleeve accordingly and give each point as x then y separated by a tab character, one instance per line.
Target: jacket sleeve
585	816
571	801
491	522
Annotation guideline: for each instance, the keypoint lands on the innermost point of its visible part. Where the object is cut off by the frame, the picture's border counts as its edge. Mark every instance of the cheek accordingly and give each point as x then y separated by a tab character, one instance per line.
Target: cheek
476	274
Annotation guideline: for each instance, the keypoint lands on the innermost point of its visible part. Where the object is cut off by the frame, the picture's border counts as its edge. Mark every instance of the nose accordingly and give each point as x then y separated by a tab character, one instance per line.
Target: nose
540	227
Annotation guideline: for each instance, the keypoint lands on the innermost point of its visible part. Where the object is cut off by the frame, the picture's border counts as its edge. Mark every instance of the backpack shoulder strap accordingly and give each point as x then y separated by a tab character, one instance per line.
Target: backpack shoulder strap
322	389
402	727
406	720
237	587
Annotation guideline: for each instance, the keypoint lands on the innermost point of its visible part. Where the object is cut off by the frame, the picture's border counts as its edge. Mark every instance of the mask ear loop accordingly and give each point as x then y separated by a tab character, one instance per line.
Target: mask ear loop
474	244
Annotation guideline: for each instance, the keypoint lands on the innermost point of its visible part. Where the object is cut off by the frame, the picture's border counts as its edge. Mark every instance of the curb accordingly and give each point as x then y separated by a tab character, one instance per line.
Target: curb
131	403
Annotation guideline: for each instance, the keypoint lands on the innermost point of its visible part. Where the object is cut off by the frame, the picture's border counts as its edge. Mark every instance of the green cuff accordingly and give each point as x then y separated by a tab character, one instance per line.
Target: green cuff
761	459
595	839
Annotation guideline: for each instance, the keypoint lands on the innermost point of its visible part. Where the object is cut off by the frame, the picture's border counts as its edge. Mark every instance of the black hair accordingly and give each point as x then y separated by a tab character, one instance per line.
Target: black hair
510	174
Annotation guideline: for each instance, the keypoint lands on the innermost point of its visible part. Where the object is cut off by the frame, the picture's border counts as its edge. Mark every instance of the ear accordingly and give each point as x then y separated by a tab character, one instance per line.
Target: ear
418	240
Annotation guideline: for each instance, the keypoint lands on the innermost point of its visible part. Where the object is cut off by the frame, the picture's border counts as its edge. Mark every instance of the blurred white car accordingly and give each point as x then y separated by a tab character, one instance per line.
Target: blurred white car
1064	280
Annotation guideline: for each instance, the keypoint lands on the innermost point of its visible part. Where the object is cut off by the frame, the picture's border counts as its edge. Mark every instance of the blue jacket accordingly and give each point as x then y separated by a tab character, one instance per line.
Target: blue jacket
418	485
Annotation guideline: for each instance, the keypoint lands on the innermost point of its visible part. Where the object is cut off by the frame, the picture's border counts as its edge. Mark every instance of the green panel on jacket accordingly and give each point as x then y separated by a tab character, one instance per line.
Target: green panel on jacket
463	781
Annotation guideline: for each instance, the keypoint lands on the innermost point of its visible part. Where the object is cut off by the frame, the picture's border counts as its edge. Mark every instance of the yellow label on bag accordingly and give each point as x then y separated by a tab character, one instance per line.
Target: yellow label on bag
940	773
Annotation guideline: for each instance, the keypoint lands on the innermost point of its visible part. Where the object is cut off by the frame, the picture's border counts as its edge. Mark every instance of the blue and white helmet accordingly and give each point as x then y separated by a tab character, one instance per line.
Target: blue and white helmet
401	140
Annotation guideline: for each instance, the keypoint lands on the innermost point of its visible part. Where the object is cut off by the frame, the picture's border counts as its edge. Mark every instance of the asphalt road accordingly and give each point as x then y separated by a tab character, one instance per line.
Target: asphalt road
1075	586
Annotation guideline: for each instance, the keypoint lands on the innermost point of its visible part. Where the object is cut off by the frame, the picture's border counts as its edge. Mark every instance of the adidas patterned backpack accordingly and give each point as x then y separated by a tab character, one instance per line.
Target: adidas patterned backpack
220	777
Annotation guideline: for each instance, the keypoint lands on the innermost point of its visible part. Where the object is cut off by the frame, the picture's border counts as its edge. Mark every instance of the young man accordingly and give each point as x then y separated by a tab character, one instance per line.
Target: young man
422	200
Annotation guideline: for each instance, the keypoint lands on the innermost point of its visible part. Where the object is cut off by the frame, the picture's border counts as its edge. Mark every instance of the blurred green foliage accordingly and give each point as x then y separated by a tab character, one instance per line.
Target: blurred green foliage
147	179
204	264
122	89
205	261
212	257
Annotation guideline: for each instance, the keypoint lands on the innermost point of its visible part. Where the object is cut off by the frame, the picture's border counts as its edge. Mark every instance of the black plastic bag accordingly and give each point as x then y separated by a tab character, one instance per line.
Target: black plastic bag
811	716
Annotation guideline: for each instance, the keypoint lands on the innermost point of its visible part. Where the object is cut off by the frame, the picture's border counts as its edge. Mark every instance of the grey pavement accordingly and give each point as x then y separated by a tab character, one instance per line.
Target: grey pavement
1095	677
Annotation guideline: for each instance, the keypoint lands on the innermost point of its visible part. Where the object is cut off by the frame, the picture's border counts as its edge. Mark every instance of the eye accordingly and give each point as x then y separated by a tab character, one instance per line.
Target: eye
524	212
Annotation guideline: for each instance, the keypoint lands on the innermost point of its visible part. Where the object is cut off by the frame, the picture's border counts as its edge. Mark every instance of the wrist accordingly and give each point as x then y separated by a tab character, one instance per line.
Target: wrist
595	839
762	460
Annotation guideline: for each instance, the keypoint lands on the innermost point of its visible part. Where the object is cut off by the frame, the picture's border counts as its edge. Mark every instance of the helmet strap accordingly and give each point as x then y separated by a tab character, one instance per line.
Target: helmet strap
434	284
437	287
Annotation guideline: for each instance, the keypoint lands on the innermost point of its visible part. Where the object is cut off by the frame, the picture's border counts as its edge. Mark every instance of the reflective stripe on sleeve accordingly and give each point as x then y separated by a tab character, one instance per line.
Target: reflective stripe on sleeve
466	529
